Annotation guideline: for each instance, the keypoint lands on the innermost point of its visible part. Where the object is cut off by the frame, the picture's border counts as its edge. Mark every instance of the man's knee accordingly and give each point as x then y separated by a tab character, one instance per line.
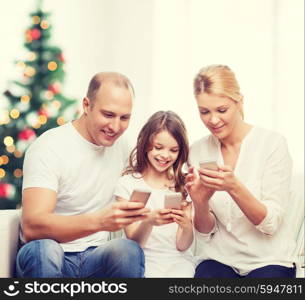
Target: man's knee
125	249
36	254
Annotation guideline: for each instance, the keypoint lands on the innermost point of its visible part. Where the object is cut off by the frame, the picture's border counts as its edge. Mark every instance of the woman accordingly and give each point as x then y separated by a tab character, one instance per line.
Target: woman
239	207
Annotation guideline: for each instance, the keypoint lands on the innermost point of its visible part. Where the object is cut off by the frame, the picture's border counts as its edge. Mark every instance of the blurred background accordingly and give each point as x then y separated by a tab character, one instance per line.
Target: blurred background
47	61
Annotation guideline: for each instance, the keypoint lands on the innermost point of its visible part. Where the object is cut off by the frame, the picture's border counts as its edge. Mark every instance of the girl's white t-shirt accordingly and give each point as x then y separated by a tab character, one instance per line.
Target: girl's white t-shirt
162	259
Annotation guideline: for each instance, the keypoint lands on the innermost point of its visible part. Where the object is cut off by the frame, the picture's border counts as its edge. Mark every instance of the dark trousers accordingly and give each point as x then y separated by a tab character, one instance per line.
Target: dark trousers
215	269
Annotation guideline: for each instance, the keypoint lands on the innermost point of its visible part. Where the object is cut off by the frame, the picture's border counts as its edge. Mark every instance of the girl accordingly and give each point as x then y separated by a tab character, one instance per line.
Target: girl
155	165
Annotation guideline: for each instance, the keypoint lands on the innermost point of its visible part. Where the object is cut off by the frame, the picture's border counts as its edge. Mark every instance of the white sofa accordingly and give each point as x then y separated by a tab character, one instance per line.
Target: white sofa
10	221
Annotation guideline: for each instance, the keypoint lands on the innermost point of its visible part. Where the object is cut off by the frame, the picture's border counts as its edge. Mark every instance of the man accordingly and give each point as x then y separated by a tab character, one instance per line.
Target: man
69	176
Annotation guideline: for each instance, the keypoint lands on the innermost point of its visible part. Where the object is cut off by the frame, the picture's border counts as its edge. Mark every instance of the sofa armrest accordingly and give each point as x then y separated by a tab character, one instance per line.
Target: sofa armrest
9	236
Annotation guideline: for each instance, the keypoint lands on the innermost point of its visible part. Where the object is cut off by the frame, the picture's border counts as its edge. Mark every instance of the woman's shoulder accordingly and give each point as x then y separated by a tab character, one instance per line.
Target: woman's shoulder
268	136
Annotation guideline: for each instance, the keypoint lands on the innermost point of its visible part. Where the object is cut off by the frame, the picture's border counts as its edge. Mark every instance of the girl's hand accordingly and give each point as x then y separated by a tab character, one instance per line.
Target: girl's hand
221	180
183	216
160	217
196	189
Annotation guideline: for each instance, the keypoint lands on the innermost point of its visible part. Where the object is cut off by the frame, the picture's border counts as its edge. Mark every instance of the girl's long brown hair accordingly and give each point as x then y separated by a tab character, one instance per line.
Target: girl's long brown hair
159	121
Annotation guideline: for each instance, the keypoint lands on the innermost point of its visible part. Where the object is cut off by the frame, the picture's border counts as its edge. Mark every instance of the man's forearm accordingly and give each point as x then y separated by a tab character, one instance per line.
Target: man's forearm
58	227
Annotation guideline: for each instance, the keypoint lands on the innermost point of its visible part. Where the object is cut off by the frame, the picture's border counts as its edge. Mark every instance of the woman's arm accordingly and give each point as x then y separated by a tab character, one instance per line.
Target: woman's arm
266	213
204	220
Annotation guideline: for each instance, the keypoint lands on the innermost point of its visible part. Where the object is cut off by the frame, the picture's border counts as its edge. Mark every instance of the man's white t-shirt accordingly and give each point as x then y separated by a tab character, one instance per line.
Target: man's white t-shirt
264	166
82	174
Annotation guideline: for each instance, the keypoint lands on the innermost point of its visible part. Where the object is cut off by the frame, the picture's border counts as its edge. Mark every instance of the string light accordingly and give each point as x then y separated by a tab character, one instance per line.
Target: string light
37	125
2	173
8	141
25	98
42	119
4	159
52	65
10	149
18	173
60	121
17	153
49	95
56	104
32	56
29	71
14	113
21	64
44	24
36	19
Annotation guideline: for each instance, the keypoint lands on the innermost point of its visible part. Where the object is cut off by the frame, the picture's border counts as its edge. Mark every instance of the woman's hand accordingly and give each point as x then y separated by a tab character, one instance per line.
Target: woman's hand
196	189
221	180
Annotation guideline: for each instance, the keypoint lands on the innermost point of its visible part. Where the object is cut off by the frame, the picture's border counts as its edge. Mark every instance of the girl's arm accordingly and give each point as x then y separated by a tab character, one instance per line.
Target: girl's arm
183	218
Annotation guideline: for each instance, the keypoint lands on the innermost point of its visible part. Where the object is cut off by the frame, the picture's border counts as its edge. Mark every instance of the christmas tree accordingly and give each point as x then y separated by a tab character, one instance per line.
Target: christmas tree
35	104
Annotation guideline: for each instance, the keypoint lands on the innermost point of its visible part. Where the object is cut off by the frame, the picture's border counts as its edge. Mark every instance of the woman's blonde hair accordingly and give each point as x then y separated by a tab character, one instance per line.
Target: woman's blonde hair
219	80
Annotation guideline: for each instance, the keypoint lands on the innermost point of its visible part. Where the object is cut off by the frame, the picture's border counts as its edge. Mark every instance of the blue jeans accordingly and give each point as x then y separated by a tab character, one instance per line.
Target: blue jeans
214	269
46	259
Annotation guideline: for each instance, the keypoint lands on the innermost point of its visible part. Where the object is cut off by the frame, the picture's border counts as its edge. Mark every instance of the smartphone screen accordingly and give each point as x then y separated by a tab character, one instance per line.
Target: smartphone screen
173	200
140	196
211	165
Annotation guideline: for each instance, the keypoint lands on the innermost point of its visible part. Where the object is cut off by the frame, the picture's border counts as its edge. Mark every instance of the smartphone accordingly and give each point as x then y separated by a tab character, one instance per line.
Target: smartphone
208	164
173	200
140	196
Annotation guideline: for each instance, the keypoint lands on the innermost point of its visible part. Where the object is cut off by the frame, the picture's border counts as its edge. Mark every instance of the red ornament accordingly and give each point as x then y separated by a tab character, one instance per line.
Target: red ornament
4	190
61	57
27	134
35	34
43	112
54	88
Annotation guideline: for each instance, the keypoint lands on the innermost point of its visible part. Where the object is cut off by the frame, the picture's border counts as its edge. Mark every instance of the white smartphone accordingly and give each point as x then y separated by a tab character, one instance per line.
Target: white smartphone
208	164
140	196
173	200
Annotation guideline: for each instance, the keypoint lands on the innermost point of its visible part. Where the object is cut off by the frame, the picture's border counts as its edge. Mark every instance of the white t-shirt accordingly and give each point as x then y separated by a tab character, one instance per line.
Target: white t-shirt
82	174
264	167
162	259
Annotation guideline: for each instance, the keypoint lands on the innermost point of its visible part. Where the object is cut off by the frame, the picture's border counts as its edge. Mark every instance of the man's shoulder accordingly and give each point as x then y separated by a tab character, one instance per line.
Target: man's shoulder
51	137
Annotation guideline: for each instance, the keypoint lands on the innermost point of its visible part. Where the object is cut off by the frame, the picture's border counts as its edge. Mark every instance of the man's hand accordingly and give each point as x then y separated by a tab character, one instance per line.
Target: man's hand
120	214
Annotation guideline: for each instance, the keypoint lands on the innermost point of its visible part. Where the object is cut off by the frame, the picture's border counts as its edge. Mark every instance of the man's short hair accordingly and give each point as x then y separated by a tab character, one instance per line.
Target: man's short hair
117	79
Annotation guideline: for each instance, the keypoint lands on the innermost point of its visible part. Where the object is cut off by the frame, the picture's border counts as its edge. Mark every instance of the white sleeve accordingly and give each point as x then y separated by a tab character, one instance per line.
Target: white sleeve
41	168
123	188
275	187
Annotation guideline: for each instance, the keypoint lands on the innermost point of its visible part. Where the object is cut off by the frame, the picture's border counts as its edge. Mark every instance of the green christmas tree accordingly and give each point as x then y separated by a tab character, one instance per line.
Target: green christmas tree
35	104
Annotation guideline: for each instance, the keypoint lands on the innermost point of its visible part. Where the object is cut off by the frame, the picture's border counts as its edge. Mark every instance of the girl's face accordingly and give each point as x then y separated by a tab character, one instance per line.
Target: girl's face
219	114
164	151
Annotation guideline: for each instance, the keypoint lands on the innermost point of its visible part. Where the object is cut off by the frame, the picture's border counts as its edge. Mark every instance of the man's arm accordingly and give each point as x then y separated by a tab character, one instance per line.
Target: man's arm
40	222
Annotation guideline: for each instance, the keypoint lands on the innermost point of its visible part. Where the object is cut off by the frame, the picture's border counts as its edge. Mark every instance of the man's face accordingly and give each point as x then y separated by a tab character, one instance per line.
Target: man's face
107	117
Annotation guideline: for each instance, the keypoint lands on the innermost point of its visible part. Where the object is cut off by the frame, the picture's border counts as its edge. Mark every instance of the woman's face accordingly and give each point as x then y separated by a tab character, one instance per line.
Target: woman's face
164	151
219	114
